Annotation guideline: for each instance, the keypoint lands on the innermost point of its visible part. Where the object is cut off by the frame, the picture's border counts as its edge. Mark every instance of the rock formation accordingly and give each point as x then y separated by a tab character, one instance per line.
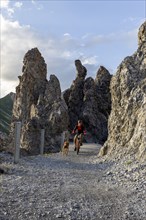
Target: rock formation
89	100
97	105
127	122
38	105
102	82
74	96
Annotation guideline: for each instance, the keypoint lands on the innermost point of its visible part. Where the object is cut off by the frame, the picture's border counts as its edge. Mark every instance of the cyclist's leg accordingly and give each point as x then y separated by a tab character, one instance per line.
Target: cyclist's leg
81	138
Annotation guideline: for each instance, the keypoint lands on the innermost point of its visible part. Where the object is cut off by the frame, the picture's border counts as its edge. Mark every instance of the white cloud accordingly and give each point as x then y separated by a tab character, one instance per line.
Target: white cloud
59	52
14	44
33	1
67	35
87	35
10	10
18	4
4	3
89	60
59	55
37	4
17	39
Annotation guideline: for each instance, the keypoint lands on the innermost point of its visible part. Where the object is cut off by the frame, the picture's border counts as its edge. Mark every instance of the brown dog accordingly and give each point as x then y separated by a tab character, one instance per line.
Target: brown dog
65	148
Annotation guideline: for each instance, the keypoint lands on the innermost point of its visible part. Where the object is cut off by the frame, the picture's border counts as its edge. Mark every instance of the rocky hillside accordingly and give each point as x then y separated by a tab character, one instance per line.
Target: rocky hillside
127	122
6	105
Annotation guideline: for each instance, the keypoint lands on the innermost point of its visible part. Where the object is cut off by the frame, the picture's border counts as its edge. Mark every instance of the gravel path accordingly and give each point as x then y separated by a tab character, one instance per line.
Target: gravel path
76	187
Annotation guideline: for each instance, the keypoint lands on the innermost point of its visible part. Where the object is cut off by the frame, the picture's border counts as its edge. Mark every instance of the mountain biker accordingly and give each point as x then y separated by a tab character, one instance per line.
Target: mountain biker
79	129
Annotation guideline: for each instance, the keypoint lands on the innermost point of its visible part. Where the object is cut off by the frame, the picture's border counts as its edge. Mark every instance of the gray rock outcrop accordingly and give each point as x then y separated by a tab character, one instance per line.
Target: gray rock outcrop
97	105
102	82
38	104
127	122
89	100
74	96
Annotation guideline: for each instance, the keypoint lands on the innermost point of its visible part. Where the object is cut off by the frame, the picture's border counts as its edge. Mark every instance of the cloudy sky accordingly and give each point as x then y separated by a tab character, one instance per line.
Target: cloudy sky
96	32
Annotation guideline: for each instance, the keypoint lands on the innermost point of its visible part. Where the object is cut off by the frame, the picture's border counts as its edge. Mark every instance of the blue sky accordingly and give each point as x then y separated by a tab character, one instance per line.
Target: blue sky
96	32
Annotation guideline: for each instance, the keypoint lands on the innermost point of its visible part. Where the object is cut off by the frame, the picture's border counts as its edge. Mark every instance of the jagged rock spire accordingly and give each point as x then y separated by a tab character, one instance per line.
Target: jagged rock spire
81	70
142	34
38	104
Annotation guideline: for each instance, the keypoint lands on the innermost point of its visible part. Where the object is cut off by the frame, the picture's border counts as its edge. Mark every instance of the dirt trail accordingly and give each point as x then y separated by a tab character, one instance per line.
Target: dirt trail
76	187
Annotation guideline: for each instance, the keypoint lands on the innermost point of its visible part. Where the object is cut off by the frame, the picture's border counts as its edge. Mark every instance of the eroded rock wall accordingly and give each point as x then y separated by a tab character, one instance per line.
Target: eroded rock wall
127	122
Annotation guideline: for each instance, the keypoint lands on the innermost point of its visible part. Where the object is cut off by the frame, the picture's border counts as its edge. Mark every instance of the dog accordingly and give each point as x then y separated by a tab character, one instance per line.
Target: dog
65	148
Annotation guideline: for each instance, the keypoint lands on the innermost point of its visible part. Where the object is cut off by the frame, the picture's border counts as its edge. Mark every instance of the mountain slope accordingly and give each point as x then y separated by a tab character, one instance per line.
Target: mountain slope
6	105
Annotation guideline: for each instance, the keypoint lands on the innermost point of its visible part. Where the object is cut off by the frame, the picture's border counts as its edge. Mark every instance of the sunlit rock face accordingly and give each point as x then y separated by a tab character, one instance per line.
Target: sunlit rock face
38	104
127	122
